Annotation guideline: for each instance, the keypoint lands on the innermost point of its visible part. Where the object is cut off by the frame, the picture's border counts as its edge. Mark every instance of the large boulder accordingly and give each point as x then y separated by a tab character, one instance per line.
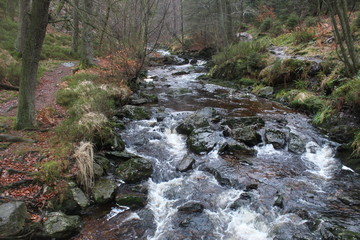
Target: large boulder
203	140
12	218
59	225
296	144
244	129
185	164
275	137
200	119
80	197
135	170
103	190
233	147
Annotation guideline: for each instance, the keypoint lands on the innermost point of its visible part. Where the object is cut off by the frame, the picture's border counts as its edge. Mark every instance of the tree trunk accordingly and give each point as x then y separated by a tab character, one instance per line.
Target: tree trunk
24	19
31	56
87	55
75	32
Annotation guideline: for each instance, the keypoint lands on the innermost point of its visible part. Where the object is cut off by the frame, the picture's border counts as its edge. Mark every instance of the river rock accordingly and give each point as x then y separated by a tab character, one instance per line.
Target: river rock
222	180
265	91
12	218
193	61
191	207
203	140
180	73
59	225
98	170
103	190
185	164
120	156
233	147
135	112
296	144
135	170
80	197
275	137
131	200
244	129
199	119
243	200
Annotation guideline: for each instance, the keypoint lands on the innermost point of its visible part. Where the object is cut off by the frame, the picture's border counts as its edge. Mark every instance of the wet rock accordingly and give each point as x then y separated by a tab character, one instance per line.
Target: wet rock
135	170
120	156
222	180
134	201
232	147
103	190
251	187
180	73
275	137
135	112
103	162
191	207
242	201
279	202
199	119
193	61
200	69
296	144
244	129
12	218
59	225
185	223
185	164
80	197
244	36
203	140
140	101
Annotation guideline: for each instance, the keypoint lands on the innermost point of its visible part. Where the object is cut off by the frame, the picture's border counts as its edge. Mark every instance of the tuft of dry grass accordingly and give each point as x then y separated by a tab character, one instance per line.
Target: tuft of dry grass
84	155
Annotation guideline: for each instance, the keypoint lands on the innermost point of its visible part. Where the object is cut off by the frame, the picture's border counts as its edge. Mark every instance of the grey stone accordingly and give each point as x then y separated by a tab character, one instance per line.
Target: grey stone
185	164
265	91
98	170
103	190
12	218
80	197
191	207
296	144
135	112
135	170
199	119
59	225
275	137
203	140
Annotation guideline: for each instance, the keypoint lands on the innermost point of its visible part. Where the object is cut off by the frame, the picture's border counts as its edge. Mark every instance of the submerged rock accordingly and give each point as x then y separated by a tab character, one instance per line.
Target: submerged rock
191	207
134	201
59	225
135	170
232	147
12	218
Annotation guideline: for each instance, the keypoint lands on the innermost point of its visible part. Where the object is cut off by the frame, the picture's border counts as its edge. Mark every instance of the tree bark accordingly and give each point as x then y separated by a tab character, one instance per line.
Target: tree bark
76	29
31	56
24	19
87	55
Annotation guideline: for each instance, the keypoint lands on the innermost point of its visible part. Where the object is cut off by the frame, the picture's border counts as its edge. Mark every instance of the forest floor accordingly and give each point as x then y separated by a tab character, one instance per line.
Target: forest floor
20	161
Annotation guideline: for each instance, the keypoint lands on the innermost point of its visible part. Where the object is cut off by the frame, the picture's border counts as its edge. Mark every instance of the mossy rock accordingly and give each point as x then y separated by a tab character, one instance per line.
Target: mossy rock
130	200
135	170
103	191
59	225
135	112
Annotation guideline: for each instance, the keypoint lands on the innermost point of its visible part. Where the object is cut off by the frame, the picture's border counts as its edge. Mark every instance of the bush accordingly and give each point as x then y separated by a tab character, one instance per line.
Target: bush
303	37
266	25
357	21
349	94
310	21
292	21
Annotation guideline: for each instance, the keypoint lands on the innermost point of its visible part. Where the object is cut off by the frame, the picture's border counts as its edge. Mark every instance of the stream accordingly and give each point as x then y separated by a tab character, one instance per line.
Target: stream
286	183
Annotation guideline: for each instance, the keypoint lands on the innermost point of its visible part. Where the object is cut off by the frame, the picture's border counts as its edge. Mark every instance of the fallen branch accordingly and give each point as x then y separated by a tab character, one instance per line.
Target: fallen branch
9	138
14	171
18	184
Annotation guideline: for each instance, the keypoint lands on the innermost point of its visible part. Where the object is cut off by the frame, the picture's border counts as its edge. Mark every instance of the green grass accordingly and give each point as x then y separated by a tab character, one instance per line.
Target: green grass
8	32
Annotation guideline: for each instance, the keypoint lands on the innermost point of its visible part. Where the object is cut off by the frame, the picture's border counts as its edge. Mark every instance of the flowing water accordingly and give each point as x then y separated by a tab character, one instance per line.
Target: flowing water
274	194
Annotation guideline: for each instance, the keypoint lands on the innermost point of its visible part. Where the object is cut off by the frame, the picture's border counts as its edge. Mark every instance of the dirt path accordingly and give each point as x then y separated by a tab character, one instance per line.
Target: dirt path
45	91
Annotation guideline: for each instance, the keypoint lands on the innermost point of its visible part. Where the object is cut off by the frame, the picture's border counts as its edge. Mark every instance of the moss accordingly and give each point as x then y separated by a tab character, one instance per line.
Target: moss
308	102
349	94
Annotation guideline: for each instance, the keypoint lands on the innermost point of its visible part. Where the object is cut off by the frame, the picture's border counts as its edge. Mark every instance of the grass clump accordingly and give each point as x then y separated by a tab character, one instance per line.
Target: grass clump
292	21
304	36
244	59
57	46
308	102
84	155
349	94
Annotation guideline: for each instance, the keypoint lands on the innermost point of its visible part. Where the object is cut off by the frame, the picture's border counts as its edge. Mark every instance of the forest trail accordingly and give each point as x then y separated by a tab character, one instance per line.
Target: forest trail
46	89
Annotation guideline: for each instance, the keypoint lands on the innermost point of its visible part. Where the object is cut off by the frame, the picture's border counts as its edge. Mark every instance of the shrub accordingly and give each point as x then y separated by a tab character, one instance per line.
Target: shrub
357	21
266	25
349	93
310	21
308	102
303	37
49	172
292	21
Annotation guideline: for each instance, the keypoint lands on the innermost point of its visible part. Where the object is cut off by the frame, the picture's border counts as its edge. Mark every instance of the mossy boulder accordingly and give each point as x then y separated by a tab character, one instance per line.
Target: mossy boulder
12	218
275	137
59	225
104	190
135	170
203	140
103	162
131	200
232	147
135	112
